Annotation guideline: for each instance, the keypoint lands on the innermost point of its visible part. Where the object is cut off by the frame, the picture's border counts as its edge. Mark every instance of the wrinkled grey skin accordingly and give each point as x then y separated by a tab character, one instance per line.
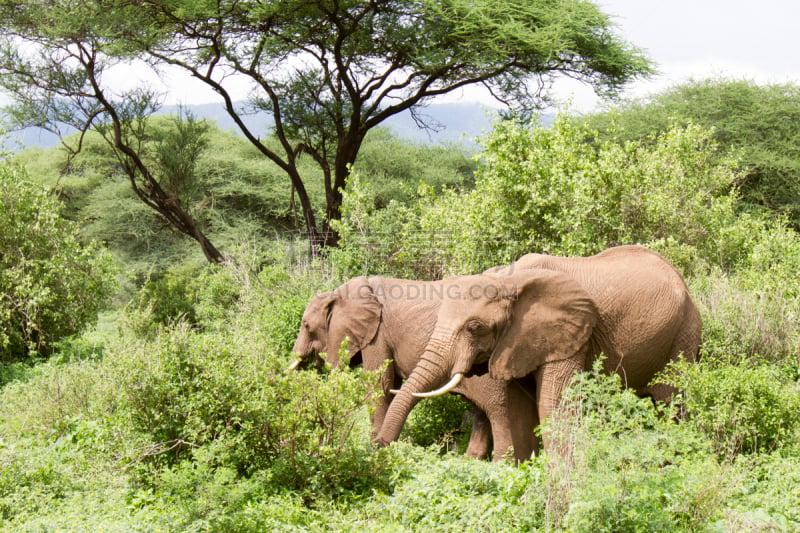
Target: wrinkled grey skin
392	319
544	318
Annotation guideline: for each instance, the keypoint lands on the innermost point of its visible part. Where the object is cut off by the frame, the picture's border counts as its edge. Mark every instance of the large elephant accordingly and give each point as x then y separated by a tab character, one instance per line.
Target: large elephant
392	319
543	318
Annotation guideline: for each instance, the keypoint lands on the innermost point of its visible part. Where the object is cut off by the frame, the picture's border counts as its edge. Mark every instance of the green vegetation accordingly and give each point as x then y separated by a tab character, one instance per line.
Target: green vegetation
757	122
176	412
550	190
325	72
236	195
51	285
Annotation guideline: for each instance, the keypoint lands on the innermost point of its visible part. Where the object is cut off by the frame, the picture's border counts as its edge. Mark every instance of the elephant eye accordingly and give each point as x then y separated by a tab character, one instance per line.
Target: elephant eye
476	327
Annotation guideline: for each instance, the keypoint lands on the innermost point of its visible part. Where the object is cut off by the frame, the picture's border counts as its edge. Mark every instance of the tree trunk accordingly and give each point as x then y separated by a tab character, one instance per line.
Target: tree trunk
209	250
329	236
347	152
293	207
314	239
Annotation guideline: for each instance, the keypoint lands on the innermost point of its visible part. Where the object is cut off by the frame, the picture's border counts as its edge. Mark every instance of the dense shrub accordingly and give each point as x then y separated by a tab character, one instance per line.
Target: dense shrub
52	285
749	314
616	464
550	191
233	192
451	494
169	296
746	406
770	490
757	121
218	396
389	241
442	421
193	424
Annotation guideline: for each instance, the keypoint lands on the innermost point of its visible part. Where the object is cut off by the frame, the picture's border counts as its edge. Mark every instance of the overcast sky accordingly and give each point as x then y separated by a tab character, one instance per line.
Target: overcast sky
757	40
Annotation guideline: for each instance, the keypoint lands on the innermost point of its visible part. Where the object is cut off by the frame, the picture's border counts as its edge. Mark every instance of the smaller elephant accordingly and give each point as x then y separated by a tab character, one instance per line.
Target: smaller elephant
544	318
392	319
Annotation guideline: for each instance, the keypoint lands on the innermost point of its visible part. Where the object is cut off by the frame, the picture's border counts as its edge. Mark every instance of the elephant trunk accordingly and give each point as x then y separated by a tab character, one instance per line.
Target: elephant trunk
301	351
431	371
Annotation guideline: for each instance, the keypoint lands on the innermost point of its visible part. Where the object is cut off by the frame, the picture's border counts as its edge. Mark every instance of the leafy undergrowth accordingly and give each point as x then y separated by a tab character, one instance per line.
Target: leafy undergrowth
621	466
157	424
622	484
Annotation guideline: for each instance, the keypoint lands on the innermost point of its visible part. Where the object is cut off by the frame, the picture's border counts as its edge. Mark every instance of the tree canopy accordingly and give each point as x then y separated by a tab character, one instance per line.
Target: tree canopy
327	71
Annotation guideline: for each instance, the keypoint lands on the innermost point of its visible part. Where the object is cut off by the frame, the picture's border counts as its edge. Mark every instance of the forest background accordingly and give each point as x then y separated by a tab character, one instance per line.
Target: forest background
144	387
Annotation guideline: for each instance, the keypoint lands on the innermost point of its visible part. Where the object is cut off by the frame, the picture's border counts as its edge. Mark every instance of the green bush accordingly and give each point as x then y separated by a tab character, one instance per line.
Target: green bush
226	394
747	406
70	483
439	421
387	241
770	491
169	296
52	285
234	193
745	317
617	464
550	191
452	494
178	426
758	122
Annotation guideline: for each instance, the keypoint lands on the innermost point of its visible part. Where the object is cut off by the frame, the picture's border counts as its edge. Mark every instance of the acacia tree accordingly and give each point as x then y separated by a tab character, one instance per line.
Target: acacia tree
53	65
327	71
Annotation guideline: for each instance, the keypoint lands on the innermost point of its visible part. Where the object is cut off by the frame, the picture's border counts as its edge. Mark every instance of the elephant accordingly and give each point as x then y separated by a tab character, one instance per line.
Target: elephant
543	318
392	319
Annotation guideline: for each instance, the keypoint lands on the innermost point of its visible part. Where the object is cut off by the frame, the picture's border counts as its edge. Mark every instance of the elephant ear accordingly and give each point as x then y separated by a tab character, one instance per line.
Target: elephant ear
357	315
551	319
320	306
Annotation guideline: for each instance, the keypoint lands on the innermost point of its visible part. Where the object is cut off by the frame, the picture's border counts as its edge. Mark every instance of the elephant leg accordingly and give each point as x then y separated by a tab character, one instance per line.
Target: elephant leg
513	423
490	426
389	380
551	380
685	346
502	435
524	418
480	438
509	416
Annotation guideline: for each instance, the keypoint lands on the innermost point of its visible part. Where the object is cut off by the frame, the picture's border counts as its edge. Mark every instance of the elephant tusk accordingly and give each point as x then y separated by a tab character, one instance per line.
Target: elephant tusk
394	391
296	364
454	381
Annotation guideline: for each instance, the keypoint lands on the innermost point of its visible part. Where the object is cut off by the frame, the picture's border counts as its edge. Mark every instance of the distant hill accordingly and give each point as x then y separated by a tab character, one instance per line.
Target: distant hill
459	123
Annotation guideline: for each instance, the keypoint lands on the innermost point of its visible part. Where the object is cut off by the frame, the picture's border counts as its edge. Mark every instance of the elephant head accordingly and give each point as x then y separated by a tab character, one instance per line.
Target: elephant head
515	321
351	311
